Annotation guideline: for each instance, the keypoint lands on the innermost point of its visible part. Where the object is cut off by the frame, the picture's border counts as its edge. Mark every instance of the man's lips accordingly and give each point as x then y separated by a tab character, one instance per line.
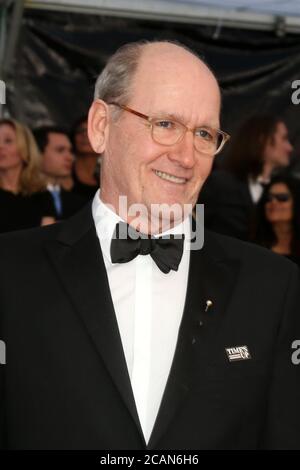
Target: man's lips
169	177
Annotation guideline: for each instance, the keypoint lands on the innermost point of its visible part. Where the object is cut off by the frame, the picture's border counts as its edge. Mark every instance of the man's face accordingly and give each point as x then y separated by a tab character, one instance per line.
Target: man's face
279	149
57	156
168	82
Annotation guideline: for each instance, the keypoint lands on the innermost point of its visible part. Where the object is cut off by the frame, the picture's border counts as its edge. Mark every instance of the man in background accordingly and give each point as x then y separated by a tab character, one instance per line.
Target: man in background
57	162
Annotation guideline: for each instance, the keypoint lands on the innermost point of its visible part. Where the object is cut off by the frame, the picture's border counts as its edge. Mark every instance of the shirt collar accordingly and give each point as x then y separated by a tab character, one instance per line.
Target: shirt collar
260	180
106	219
53	187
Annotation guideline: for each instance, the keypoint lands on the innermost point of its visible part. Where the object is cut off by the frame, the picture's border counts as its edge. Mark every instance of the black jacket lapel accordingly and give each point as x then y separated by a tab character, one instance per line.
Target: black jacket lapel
211	277
245	194
77	258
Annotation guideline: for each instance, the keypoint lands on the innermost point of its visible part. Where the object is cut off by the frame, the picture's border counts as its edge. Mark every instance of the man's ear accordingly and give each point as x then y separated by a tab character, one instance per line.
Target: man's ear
98	125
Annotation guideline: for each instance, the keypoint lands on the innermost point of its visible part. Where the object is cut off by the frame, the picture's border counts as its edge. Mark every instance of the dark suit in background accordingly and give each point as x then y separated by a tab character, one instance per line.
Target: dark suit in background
69	203
229	208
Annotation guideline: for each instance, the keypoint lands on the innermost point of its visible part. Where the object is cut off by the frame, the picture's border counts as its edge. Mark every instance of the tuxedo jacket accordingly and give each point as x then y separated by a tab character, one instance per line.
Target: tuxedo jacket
65	384
229	208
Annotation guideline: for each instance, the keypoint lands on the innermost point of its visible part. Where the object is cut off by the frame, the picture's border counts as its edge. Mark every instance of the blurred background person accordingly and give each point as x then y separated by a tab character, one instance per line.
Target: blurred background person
86	170
24	201
260	148
278	217
57	162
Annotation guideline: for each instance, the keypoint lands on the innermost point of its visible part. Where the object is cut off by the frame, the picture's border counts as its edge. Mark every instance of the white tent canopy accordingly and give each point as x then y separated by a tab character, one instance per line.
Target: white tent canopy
281	15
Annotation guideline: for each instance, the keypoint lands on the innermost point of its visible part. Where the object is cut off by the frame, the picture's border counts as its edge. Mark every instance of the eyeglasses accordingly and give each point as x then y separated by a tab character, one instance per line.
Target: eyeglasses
280	197
165	131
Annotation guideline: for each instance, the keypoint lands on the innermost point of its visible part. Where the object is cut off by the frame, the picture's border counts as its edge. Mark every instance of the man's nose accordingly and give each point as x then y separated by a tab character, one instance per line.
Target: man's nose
183	152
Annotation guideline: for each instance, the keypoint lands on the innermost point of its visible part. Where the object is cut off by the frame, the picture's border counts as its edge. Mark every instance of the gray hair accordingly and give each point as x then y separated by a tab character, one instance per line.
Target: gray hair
115	80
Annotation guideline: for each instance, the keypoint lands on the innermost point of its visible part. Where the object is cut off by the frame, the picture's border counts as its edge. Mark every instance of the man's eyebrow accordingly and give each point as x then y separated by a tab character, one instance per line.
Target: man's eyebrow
180	118
173	116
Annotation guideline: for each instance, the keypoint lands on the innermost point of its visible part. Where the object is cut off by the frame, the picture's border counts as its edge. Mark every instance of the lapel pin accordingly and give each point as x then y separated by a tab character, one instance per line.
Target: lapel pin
238	353
208	305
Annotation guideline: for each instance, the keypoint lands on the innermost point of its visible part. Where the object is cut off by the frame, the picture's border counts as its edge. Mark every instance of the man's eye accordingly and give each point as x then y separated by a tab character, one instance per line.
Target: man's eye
164	124
204	134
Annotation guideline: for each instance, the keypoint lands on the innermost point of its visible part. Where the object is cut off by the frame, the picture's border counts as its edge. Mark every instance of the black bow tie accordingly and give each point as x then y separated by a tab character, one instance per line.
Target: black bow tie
127	243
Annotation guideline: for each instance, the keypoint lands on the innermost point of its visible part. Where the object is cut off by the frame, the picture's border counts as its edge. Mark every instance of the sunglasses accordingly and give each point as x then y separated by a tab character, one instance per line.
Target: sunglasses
280	197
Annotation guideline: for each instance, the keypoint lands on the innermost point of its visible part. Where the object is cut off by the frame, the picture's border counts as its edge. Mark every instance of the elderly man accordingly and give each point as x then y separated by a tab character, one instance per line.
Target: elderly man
126	336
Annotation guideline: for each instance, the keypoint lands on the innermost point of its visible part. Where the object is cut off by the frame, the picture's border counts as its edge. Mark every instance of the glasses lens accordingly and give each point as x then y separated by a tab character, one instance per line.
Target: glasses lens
208	141
166	132
280	197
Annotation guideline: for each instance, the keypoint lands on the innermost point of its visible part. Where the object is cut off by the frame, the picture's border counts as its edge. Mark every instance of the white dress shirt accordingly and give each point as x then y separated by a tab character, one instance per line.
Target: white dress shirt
148	305
256	188
53	187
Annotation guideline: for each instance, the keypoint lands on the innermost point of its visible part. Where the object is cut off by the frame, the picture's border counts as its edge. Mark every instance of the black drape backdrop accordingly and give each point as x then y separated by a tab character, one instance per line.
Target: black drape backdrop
61	54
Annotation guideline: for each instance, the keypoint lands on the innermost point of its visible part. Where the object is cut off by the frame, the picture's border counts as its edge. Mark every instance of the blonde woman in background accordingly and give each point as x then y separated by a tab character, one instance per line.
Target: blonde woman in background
24	201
